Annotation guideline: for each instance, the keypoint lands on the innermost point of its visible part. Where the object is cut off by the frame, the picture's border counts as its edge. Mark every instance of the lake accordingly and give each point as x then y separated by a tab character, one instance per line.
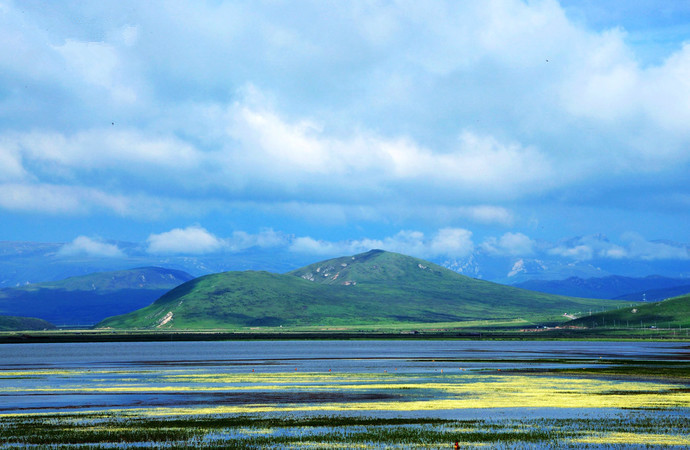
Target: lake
415	380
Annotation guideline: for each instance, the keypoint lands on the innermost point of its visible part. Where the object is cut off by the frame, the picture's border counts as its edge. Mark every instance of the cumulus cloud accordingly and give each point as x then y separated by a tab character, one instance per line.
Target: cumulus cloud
640	248
309	245
266	238
401	113
585	248
85	246
190	240
611	85
197	240
444	243
576	252
634	246
302	154
268	158
512	244
452	242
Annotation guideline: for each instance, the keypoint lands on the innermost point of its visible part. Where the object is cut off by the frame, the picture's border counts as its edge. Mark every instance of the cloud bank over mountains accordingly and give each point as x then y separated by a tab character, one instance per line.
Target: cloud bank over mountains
519	120
445	243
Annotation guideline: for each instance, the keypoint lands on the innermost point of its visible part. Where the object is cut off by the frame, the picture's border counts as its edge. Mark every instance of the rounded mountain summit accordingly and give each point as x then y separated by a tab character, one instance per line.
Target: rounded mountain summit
372	288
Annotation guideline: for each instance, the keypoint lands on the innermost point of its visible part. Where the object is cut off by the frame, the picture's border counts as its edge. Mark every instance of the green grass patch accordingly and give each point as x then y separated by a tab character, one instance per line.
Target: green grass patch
245	431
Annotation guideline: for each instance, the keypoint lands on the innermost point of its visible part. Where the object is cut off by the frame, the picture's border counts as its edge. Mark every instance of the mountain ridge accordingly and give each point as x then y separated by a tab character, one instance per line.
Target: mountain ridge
609	287
87	299
14	323
375	287
31	262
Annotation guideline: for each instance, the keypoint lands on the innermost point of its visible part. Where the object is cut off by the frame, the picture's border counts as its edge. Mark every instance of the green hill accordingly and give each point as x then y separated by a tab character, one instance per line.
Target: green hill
12	323
88	299
373	288
673	312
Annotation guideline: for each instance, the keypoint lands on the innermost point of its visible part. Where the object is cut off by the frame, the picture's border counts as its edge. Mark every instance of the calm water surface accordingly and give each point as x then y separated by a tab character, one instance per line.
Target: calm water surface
345	355
59	377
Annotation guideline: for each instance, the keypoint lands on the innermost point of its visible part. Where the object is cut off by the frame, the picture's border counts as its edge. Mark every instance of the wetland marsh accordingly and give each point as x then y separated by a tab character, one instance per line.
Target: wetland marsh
365	394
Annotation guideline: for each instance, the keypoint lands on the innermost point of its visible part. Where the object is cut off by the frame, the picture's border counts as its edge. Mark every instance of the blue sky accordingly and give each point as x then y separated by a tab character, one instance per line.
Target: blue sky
328	127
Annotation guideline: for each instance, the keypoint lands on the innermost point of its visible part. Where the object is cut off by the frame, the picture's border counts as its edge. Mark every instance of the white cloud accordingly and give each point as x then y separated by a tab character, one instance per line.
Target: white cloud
84	245
300	156
129	35
308	245
635	112
612	86
23	46
408	242
634	247
640	248
577	252
266	238
11	167
83	201
614	252
396	113
451	242
489	214
107	148
585	248
60	199
190	240
512	244
265	154
97	64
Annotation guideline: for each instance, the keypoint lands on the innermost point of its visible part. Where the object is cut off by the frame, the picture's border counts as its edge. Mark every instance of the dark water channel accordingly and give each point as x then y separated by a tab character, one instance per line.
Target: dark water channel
316	355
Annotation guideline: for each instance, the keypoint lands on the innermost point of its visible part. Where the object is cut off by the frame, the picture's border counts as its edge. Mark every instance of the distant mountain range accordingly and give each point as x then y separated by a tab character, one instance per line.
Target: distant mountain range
23	263
88	299
655	295
30	262
651	288
375	287
372	288
515	270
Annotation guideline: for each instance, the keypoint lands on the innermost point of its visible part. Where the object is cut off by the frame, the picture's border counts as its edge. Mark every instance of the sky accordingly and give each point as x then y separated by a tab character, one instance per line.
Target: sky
431	128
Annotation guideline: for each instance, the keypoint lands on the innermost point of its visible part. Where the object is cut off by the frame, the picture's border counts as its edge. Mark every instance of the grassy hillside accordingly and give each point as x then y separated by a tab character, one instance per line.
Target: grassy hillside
674	312
12	323
85	300
370	288
655	295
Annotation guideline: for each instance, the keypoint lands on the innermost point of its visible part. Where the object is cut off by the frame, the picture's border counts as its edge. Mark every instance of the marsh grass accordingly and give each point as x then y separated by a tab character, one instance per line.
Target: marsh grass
636	403
246	431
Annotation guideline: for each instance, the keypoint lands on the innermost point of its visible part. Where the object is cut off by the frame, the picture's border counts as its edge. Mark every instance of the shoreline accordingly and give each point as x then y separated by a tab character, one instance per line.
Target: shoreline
77	336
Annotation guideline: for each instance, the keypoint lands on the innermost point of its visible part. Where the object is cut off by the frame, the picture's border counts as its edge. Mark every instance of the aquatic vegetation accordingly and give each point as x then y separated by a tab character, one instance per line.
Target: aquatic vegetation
646	439
427	404
364	432
241	393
